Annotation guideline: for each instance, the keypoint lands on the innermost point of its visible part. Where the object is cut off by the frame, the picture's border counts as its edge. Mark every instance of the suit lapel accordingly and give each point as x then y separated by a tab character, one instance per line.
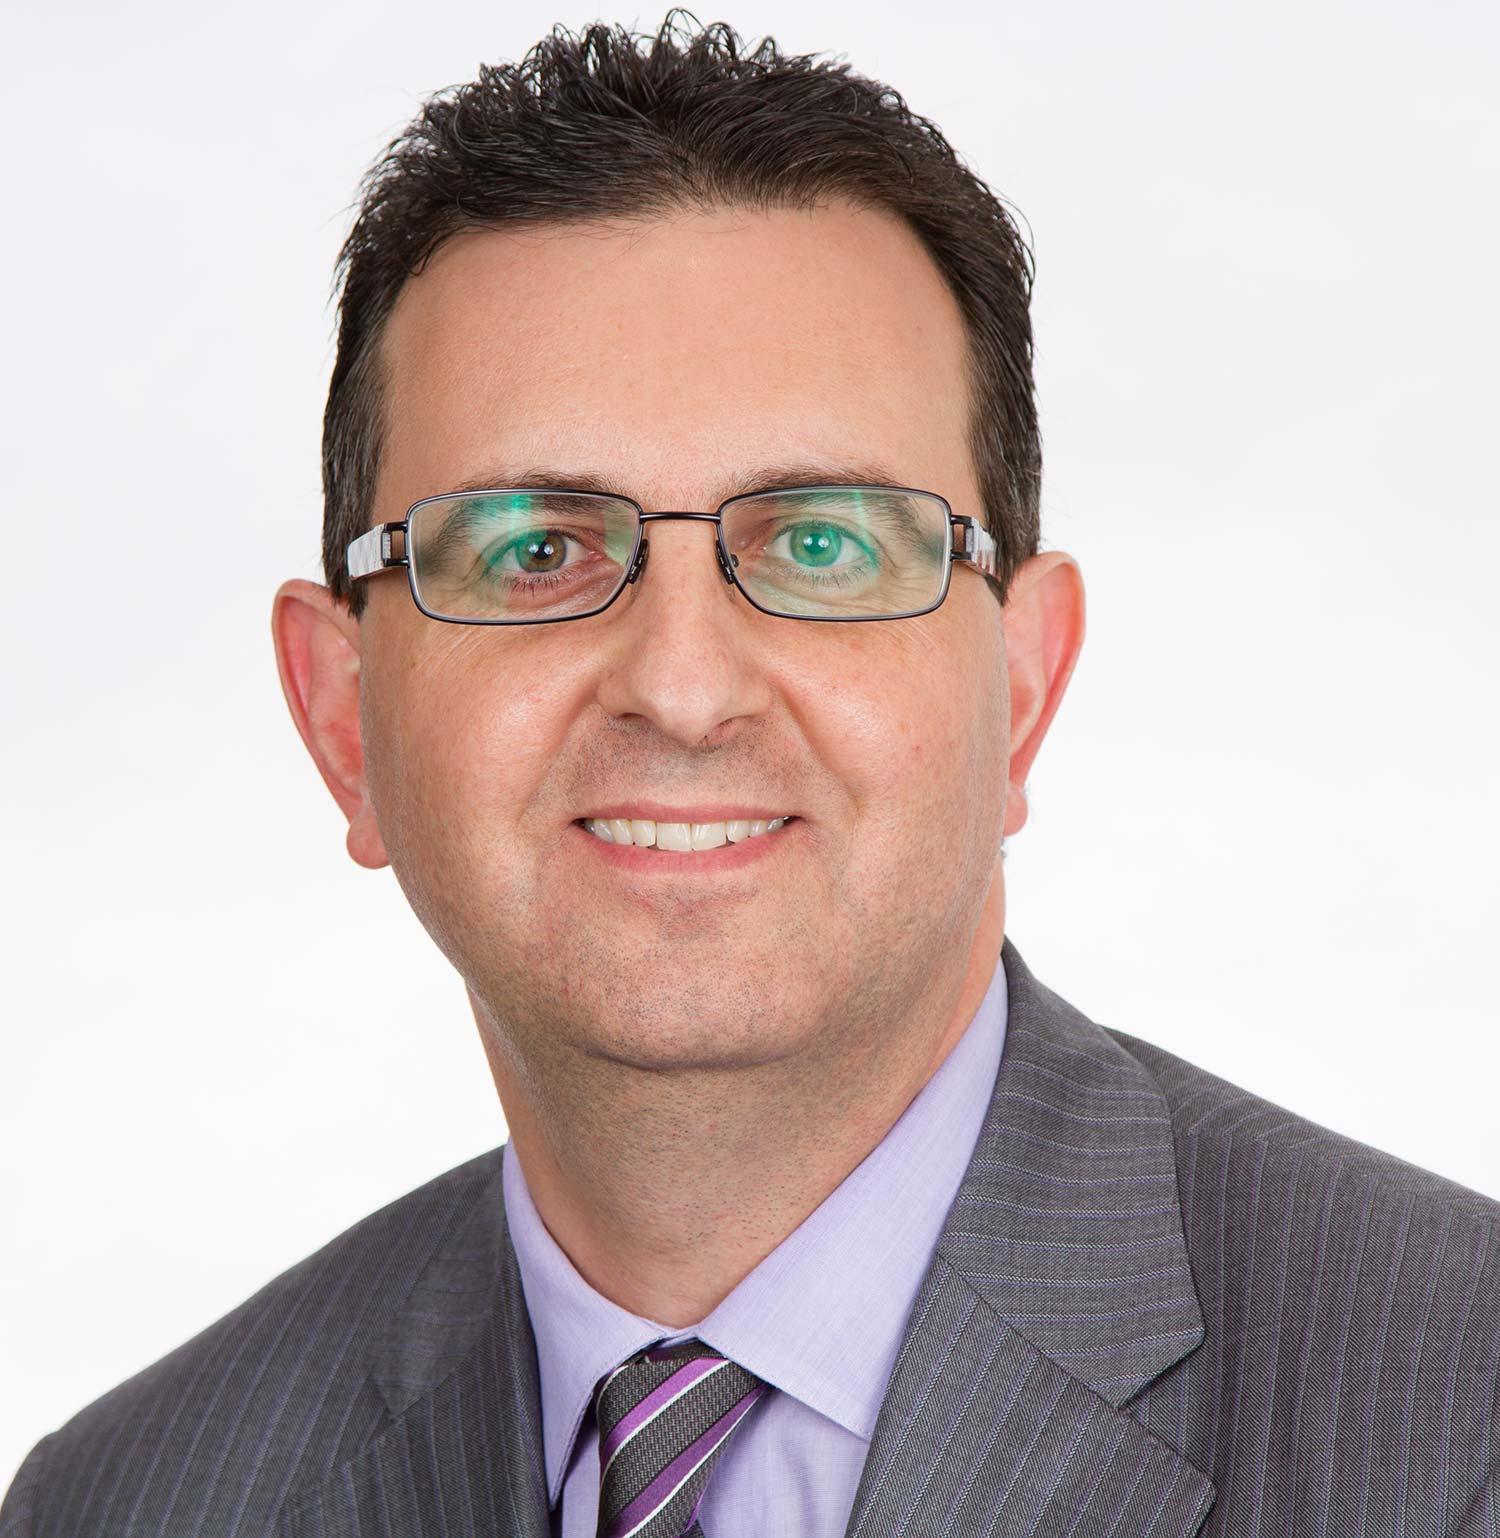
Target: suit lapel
1060	1287
457	1369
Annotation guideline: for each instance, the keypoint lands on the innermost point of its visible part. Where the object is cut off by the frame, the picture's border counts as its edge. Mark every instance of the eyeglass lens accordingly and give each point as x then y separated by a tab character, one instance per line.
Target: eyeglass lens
825	552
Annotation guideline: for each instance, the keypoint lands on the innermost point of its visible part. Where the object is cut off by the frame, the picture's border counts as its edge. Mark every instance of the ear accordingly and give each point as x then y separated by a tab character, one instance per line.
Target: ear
1043	620
317	656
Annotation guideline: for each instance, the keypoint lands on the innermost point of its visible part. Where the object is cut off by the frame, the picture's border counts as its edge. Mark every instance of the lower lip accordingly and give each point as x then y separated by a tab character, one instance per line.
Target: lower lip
705	862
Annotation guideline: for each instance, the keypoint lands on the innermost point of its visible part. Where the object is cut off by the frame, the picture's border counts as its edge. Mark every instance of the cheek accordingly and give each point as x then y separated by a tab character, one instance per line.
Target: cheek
914	719
455	743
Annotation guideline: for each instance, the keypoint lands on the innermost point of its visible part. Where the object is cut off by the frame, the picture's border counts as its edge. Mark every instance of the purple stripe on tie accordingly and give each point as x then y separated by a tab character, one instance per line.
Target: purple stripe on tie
679	1470
635	1418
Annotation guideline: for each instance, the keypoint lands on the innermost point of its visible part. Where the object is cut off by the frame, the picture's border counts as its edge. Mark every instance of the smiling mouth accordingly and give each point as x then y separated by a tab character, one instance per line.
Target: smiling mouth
678	837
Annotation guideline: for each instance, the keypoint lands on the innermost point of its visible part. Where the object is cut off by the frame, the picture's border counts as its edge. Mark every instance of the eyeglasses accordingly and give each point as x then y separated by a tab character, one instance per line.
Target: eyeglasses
523	555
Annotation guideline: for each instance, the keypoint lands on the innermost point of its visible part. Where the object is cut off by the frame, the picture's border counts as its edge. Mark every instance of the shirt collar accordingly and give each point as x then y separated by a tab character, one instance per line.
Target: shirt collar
823	1315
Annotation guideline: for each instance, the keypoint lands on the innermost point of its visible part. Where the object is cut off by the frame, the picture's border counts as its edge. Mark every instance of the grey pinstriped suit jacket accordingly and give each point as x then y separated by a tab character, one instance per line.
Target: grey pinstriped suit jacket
1160	1306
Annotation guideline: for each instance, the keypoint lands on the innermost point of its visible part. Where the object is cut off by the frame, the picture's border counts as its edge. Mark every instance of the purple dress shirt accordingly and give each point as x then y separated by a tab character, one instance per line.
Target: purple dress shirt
820	1318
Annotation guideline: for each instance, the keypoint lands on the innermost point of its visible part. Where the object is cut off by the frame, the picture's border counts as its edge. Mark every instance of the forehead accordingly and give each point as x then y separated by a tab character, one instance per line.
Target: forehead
671	352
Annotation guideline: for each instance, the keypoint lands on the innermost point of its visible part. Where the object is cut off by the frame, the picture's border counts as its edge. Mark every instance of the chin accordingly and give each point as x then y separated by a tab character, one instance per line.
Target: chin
704	1027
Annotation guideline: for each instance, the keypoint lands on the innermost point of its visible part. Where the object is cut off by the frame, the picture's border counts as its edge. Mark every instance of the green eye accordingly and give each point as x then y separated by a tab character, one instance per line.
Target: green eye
819	544
816	544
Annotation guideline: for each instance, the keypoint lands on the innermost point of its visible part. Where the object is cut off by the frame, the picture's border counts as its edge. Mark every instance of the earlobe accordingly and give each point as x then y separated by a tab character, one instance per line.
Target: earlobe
318	659
1044	625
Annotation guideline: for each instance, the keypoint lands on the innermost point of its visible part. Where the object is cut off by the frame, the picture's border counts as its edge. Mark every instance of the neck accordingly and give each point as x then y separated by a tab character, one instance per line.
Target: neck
666	1190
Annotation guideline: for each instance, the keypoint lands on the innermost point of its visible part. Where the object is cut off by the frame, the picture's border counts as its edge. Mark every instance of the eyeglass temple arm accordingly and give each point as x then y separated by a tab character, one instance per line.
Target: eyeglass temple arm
377	548
976	545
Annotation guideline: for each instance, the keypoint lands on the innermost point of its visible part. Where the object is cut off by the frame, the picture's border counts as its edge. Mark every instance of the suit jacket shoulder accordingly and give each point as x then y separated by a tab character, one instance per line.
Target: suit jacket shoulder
1349	1376
213	1437
1207	1108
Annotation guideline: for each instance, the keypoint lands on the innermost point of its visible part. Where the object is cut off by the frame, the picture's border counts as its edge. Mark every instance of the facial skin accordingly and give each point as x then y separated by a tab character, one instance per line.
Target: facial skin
689	1065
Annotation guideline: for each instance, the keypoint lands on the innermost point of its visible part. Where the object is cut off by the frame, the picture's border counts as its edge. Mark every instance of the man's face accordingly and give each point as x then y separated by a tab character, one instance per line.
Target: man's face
674	358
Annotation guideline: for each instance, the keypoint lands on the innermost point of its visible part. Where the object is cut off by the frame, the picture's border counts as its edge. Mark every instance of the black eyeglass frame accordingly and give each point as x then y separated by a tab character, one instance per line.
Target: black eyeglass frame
377	549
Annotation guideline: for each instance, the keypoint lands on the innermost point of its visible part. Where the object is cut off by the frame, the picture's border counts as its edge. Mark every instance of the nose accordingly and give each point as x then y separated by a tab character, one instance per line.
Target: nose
684	656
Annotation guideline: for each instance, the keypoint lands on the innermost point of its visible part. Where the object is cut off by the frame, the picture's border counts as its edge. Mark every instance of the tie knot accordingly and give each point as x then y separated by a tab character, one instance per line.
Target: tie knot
664	1417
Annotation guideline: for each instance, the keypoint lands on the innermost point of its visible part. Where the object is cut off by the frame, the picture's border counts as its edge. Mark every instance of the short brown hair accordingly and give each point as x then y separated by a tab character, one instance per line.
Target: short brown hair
593	126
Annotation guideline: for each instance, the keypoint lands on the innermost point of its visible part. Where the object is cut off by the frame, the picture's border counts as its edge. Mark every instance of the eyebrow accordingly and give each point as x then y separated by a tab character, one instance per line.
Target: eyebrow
773	477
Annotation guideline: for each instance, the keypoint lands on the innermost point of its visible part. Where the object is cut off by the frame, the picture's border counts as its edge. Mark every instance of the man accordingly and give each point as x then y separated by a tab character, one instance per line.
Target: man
687	393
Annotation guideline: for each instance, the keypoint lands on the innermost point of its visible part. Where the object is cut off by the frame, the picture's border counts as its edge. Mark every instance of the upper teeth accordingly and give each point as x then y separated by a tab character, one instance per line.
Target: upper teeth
681	837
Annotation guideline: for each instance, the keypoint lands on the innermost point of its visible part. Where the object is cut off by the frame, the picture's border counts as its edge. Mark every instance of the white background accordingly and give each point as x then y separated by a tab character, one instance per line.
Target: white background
1265	830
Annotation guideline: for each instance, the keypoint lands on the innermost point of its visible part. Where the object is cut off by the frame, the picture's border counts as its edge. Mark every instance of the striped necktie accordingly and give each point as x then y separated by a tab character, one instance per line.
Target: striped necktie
664	1417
